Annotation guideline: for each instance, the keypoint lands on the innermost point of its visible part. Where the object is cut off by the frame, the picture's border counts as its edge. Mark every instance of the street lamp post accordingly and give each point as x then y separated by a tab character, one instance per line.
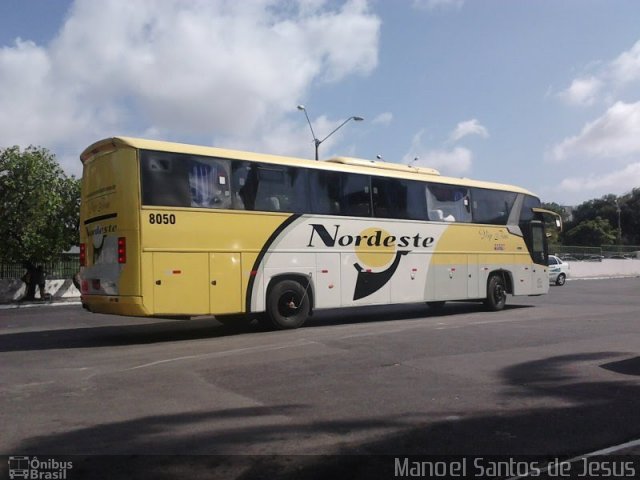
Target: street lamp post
618	211
317	142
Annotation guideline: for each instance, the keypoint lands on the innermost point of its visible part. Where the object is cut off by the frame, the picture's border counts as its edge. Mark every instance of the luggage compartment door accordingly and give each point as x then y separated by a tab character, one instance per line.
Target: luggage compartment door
181	283
225	280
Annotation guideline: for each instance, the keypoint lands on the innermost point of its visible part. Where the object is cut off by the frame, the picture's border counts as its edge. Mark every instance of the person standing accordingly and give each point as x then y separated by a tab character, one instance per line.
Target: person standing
29	279
40	278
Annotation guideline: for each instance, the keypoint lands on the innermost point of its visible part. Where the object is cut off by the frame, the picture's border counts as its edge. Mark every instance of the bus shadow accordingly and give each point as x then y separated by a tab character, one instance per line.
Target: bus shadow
190	440
113	335
384	313
208	328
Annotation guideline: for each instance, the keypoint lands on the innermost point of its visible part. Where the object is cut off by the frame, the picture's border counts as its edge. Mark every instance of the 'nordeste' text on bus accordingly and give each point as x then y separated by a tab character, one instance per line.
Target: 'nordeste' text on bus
379	238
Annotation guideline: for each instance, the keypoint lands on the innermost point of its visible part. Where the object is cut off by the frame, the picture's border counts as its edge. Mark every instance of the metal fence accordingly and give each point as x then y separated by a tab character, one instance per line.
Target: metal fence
621	251
66	267
595	253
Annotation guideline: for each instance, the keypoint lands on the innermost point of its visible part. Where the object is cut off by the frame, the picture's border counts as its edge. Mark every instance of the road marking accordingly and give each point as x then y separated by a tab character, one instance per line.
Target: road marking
604	451
225	353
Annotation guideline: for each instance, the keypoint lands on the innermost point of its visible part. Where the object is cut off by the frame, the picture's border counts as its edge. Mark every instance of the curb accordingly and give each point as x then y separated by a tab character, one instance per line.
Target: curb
47	303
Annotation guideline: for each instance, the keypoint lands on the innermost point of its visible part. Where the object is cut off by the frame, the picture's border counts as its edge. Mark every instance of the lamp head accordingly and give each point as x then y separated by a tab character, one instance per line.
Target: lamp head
301	107
358	119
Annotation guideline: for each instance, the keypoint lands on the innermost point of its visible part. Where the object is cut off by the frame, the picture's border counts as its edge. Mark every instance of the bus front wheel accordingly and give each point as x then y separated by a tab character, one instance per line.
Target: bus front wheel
288	305
496	293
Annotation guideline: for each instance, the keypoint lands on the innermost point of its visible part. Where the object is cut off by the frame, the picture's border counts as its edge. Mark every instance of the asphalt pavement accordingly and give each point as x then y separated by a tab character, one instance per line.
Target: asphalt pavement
556	376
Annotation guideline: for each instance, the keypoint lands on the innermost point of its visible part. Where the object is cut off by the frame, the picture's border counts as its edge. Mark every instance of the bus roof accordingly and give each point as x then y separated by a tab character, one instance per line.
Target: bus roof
347	164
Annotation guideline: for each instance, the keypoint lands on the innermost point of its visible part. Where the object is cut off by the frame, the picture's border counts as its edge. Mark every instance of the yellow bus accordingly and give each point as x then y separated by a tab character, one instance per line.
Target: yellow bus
171	229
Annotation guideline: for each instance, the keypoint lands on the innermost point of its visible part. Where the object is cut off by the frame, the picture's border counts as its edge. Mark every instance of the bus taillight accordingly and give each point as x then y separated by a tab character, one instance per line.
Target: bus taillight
122	250
83	254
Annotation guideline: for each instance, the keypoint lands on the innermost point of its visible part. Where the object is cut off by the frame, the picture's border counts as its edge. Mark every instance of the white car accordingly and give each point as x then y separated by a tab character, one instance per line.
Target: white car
558	270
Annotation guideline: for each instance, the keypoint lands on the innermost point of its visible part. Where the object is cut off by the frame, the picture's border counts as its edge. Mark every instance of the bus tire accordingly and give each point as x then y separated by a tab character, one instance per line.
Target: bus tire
496	293
288	305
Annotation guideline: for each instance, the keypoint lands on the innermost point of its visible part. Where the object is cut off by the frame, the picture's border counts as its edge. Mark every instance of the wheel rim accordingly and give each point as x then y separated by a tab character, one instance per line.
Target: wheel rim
289	303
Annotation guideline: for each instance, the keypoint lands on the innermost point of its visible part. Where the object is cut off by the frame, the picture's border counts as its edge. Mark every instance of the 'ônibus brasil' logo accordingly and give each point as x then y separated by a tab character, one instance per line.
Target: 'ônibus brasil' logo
375	249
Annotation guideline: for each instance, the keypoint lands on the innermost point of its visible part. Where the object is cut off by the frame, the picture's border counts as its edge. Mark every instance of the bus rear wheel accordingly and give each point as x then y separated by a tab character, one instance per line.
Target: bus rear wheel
288	305
496	293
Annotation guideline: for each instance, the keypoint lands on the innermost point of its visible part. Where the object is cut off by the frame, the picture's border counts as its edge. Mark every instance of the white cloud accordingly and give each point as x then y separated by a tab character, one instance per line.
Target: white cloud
454	162
583	91
438	4
606	81
615	135
469	127
214	68
383	119
597	185
626	68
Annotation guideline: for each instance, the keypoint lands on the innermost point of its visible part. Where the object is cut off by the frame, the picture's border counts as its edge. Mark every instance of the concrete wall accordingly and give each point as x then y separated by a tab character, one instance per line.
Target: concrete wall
606	268
13	290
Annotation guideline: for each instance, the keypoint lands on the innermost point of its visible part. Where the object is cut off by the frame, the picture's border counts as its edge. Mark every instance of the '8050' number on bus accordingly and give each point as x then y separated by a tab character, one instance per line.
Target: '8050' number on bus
162	219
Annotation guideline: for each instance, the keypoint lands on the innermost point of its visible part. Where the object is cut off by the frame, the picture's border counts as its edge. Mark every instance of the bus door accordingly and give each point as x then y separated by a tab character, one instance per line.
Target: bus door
537	244
540	278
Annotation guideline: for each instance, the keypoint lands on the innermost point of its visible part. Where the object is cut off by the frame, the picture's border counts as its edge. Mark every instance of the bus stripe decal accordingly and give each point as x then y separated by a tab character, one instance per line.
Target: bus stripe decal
262	253
100	217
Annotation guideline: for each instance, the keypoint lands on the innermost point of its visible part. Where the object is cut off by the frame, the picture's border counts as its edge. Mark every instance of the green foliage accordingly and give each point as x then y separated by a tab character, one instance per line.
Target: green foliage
604	207
630	217
591	233
39	206
625	209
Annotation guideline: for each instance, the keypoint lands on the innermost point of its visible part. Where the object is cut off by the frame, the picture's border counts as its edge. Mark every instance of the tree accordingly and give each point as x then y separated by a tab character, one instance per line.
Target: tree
39	206
630	217
592	233
604	207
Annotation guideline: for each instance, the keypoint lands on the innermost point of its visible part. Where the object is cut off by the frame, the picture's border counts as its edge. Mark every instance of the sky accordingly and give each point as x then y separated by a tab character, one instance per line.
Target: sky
543	94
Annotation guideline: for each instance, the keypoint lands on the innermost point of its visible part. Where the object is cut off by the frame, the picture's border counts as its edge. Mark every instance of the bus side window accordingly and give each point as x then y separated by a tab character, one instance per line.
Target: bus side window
298	182
164	179
491	206
244	185
389	198
355	195
448	203
396	198
209	183
274	188
324	187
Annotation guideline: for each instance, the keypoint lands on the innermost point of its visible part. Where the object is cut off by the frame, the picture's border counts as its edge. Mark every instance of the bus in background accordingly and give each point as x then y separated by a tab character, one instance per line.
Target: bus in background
171	229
